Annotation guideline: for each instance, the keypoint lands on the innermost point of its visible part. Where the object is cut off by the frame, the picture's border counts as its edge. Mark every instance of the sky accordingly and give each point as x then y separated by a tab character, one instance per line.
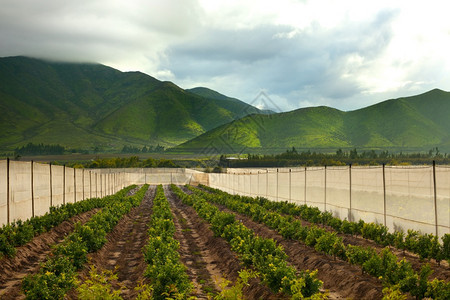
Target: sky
281	55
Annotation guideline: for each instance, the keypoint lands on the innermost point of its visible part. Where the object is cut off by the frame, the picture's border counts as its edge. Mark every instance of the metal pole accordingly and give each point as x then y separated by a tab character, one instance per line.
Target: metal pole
435	198
32	190
350	204
7	191
83	183
90	184
277	186
64	184
290	185
51	185
74	186
267	183
305	183
384	193
325	193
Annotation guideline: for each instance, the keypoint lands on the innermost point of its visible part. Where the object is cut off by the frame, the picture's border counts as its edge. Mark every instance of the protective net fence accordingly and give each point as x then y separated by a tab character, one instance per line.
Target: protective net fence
400	197
29	189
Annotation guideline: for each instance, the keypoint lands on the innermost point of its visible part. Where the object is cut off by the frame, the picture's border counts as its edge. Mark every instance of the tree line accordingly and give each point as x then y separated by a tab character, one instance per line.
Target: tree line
292	158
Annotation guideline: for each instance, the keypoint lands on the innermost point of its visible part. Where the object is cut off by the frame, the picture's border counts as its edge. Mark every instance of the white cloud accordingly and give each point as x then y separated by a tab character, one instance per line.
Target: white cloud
346	54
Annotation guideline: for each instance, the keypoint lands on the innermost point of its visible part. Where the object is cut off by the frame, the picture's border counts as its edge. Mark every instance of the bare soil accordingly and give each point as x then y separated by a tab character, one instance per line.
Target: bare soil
214	251
340	279
122	253
28	257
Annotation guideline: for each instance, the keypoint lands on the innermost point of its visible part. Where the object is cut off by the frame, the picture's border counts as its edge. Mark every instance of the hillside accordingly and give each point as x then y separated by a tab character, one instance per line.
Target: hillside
418	122
92	105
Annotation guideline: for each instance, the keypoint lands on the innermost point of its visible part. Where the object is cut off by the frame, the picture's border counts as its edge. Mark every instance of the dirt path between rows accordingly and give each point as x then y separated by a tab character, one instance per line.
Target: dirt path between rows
340	279
122	253
214	251
441	271
28	257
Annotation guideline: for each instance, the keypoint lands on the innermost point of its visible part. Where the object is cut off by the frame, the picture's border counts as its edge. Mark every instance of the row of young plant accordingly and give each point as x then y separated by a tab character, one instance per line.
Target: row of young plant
398	275
20	232
268	258
58	273
167	274
425	245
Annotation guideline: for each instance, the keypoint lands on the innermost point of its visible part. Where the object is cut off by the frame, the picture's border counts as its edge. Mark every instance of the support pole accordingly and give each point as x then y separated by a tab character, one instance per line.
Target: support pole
350	188
32	190
305	183
8	208
277	186
325	192
384	193
51	184
74	186
435	199
290	185
64	184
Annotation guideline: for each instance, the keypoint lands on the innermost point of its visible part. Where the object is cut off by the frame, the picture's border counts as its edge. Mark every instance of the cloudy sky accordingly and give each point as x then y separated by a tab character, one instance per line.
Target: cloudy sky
343	54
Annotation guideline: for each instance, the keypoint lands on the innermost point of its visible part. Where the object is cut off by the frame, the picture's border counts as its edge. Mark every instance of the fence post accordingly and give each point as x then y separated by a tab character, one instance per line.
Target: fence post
277	186
325	193
290	185
435	199
7	191
384	193
350	188
90	184
82	172
305	183
64	184
267	183
51	185
74	186
32	190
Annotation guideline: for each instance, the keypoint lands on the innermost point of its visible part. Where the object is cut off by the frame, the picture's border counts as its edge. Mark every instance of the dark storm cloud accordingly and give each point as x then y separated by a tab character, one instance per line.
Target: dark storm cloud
285	60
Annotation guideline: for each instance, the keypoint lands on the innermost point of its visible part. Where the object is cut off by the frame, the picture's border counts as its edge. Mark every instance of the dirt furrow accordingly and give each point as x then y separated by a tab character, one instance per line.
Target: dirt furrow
28	257
122	252
340	279
194	254
216	253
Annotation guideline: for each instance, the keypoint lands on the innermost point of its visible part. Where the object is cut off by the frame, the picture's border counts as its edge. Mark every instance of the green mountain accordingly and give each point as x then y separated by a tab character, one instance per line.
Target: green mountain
92	105
413	123
232	103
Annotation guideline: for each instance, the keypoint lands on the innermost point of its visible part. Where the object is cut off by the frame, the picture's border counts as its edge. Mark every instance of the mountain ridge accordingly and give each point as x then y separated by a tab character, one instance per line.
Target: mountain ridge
89	105
415	122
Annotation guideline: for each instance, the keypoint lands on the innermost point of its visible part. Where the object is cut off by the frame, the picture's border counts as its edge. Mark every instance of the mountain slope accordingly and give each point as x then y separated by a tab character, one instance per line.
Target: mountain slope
418	122
89	105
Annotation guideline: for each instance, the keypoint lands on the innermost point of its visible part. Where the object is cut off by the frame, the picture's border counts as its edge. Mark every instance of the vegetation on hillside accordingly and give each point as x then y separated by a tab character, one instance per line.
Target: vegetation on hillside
292	158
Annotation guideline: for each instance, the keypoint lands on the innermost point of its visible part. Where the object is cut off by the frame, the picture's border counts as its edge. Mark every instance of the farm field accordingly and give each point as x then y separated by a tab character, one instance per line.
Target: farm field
156	242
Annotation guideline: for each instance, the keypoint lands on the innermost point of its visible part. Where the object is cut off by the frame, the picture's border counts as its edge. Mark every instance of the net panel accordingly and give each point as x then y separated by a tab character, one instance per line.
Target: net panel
41	184
410	198
367	194
20	190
